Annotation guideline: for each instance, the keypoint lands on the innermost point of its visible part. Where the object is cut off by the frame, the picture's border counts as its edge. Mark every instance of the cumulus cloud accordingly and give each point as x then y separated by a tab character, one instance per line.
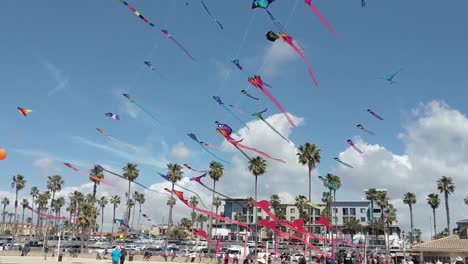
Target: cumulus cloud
180	151
435	142
276	56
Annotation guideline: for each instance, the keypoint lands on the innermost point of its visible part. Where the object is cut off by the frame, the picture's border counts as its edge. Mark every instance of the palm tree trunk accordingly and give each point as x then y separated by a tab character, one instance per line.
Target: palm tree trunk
448	212
113	222
139	215
128	204
102	220
169	220
133	218
32	218
435	225
22	217
210	219
216	228
334	208
16	208
255	213
411	218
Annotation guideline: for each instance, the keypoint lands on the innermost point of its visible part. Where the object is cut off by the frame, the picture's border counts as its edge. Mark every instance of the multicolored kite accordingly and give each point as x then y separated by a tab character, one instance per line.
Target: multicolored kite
192	169
319	15
264	4
212	17
364	129
202	144
149	64
351	143
165	32
258	83
221	103
389	78
327	183
237	144
139	106
313	205
259	116
104	133
342	162
374	114
113	116
227	129
24	111
244	92
178	185
271	36
237	63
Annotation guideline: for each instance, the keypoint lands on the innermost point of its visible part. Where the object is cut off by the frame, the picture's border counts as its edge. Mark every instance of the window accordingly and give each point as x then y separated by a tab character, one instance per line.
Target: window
335	219
259	210
335	210
345	211
292	211
363	219
244	210
363	210
293	218
352	211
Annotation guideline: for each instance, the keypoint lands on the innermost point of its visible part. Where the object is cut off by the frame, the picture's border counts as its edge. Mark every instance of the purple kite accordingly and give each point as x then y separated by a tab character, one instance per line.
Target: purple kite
364	129
342	162
374	114
244	92
113	116
351	143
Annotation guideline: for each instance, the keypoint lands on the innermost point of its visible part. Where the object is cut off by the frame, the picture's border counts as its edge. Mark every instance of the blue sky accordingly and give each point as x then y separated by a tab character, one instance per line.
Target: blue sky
70	61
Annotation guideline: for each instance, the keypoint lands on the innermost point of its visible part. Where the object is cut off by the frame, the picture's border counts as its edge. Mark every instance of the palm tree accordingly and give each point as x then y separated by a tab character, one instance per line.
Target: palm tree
193	202
87	216
434	201
96	171
34	193
309	154
238	217
217	203
18	183
115	201
24	204
140	199
10	215
301	204
54	184
201	219
174	173
57	205
5	202
131	173
336	181
41	201
372	196
445	185
275	203
216	172
326	199
410	199
353	225
389	220
170	202
466	200
102	203
257	166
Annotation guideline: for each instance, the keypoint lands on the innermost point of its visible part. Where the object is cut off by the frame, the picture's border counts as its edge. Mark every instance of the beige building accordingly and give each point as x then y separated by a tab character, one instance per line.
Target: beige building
446	249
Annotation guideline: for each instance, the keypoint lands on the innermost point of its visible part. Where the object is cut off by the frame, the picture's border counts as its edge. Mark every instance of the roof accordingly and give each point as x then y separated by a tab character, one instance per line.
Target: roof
451	243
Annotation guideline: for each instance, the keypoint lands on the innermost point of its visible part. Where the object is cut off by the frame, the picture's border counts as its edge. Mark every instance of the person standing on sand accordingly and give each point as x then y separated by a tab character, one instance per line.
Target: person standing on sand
116	254
123	255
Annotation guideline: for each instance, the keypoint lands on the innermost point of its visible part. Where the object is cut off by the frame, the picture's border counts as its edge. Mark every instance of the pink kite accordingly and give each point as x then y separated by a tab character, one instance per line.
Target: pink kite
190	168
319	15
202	233
89	175
48	216
351	143
288	39
258	83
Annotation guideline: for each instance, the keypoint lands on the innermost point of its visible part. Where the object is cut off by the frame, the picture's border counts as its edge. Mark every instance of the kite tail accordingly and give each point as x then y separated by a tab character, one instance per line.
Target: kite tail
306	61
281	108
135	182
202	233
356	148
147	112
212	154
210	146
180	46
255	98
236	109
369	132
346	164
241	151
89	175
259	152
234	115
48	216
272	128
188	190
320	16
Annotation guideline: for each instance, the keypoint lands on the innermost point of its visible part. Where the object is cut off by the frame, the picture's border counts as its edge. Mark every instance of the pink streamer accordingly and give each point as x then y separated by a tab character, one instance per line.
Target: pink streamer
319	15
288	39
203	234
48	216
89	175
210	146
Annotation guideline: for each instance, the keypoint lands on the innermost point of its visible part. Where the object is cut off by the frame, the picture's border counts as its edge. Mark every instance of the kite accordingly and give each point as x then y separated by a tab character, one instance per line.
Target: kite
319	15
212	17
318	207
236	109
104	133
342	162
390	77
198	179
49	216
374	114
24	111
135	182
227	129
139	106
237	63
237	144
289	40
271	36
259	116
113	116
122	223
137	13
327	183
364	129
258	83
177	43
264	4
95	178
363	3
192	169
248	95
202	144
3	154
178	185
202	233
351	143
149	64
221	103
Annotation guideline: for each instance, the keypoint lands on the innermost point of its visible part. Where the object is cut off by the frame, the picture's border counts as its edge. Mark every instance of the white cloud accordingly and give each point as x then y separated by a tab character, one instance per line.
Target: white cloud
61	80
276	57
180	151
435	145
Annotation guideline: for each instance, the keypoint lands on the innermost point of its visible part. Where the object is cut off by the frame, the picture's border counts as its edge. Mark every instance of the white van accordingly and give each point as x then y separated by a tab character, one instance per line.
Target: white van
240	251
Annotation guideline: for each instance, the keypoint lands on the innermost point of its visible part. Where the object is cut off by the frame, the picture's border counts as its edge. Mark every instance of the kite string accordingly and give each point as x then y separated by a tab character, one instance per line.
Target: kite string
244	37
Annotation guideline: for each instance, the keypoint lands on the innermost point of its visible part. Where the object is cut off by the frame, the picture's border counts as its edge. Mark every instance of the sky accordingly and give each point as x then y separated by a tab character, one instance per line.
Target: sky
70	62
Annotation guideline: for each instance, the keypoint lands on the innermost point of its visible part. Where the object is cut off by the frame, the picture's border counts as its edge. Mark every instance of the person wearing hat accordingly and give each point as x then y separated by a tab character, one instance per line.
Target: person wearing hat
459	260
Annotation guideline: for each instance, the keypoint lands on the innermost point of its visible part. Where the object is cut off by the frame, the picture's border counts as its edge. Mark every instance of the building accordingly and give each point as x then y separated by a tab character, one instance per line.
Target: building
446	249
344	210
